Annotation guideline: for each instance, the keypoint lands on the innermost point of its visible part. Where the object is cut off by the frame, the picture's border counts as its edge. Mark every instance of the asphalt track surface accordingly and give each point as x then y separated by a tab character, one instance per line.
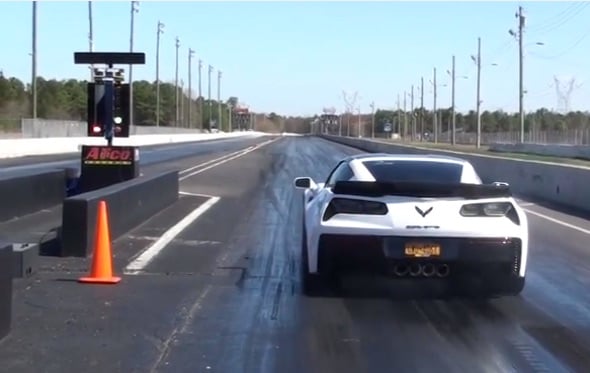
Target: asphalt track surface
224	295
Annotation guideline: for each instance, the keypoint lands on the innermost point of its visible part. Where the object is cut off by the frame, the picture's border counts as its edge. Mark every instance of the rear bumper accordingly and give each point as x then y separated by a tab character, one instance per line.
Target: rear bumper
383	254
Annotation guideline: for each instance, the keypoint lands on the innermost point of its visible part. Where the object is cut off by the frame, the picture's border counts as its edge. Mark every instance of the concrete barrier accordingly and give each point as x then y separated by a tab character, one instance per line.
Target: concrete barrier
29	192
10	148
5	288
551	150
563	184
129	204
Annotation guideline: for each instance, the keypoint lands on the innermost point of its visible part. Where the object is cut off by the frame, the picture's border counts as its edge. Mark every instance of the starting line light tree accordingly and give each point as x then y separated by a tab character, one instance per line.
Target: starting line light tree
108	105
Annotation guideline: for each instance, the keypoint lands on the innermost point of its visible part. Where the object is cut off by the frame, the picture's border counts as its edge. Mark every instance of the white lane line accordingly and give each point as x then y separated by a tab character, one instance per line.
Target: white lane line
557	221
526	204
249	150
195	194
139	263
211	161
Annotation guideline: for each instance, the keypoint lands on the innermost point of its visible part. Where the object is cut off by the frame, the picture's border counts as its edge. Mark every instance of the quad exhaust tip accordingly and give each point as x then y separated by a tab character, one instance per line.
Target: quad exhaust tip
426	270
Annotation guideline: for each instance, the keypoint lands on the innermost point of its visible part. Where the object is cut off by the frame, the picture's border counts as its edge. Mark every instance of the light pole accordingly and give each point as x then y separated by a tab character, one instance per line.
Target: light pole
134	9
477	61
158	33
373	119
34	62
453	108
177	96
209	93
200	100
90	36
190	89
219	119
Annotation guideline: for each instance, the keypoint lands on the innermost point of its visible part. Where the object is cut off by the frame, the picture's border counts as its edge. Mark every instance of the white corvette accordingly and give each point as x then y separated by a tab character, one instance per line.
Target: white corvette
426	217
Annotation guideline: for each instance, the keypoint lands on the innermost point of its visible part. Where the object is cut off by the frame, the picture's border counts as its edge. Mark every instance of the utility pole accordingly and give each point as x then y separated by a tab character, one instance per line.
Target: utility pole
412	119
209	94
478	61
176	96
434	114
520	73
359	124
454	116
373	119
90	37
181	118
159	32
202	121
34	63
405	116
219	116
399	116
421	108
190	87
134	9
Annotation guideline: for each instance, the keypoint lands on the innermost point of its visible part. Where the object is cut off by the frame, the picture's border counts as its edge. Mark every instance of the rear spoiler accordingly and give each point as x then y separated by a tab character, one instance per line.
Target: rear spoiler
423	190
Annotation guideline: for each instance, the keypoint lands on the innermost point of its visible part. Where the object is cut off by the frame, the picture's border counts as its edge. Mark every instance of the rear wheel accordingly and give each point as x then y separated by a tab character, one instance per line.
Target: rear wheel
496	288
313	284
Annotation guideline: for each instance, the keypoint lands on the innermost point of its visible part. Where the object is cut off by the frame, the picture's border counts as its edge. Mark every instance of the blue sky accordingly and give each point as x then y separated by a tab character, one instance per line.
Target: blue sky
297	57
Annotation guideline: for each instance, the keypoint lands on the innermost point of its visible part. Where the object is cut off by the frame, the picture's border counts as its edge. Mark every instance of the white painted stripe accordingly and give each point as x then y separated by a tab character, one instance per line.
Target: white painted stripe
557	221
139	263
249	150
211	161
195	194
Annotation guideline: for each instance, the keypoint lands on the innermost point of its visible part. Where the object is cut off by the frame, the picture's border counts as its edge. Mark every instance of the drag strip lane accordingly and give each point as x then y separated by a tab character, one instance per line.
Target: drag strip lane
264	324
140	262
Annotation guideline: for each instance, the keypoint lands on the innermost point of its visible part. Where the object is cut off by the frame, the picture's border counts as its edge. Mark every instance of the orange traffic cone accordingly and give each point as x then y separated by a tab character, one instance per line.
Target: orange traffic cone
102	260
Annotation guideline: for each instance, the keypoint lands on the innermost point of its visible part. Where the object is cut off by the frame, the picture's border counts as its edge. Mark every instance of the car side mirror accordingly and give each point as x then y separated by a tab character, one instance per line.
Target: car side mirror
304	183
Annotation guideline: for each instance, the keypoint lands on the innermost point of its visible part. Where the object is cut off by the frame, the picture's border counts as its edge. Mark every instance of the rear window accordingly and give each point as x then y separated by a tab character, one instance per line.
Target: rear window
414	171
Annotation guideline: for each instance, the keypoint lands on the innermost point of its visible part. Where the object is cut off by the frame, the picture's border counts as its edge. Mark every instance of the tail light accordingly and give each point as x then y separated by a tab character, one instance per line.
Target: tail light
354	206
491	209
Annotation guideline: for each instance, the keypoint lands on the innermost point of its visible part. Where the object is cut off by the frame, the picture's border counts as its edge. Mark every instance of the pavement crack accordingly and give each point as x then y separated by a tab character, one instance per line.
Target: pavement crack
166	346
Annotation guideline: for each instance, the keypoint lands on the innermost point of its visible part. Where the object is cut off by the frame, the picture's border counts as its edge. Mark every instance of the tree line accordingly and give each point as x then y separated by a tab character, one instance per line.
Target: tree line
66	100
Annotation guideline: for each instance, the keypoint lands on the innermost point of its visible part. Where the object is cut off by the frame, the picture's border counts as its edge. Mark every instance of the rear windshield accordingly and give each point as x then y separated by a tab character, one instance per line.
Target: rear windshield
415	171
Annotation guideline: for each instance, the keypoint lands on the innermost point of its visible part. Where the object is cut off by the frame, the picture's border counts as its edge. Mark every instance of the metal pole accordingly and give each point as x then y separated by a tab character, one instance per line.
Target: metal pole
209	94
405	117
190	89
399	116
90	36
159	32
373	119
134	9
520	73
34	63
177	96
454	116
434	113
200	100
181	103
359	124
478	140
421	108
412	122
219	116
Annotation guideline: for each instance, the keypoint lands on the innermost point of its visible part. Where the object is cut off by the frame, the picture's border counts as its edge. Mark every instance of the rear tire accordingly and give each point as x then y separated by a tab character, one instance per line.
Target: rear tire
511	287
313	284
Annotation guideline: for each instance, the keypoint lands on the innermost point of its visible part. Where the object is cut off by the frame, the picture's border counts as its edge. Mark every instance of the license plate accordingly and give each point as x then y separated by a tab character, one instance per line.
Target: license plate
420	250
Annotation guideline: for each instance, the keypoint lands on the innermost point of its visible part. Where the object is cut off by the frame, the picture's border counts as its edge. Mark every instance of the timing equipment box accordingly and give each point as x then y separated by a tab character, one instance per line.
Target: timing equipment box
103	165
